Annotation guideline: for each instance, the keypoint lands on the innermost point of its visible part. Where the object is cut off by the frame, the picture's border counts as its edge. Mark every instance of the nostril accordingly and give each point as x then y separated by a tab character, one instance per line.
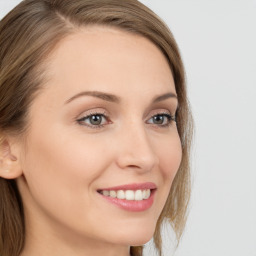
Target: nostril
137	160
133	166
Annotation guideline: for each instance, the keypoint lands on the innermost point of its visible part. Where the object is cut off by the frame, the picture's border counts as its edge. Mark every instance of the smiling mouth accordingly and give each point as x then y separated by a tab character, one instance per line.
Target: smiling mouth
130	192
135	195
132	197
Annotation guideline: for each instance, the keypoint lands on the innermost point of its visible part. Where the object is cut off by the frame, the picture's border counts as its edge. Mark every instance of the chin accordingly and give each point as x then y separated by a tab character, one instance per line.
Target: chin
138	235
141	241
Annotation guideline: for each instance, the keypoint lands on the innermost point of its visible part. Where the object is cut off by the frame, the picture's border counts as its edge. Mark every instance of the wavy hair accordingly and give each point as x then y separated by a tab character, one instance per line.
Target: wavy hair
28	34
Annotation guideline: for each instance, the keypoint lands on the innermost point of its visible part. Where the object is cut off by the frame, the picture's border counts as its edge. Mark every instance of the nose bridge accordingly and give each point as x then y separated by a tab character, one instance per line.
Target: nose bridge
136	150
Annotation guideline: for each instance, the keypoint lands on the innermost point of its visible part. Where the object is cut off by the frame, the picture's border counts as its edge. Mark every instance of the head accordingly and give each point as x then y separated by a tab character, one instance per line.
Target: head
38	40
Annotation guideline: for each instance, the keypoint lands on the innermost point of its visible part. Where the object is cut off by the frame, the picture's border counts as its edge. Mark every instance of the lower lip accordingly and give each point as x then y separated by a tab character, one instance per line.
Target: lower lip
132	205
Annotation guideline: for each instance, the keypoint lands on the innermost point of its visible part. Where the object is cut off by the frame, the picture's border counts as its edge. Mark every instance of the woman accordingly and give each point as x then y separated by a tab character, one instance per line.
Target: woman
94	126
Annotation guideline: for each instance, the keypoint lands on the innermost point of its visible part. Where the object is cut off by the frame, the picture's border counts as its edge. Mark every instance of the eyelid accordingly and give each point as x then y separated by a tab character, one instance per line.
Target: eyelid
161	112
87	114
83	118
94	111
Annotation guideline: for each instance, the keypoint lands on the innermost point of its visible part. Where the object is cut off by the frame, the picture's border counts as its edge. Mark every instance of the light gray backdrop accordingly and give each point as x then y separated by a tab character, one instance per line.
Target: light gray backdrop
218	44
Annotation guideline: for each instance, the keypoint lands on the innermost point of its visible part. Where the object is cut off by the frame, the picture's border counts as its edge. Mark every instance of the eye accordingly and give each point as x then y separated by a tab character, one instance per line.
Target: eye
95	120
163	119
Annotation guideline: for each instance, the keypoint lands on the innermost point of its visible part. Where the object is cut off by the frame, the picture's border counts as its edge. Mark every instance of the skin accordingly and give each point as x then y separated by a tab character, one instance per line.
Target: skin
64	162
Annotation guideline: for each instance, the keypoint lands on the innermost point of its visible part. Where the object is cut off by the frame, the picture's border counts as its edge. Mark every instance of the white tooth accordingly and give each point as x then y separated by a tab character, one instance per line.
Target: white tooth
138	195
147	194
105	192
144	194
129	195
112	193
120	194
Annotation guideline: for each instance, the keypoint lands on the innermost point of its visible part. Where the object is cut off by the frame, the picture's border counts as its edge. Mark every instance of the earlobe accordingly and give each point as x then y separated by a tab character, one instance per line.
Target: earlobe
9	162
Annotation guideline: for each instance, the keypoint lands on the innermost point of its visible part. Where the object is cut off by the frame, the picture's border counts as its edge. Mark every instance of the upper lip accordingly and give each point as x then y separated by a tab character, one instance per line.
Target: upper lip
133	186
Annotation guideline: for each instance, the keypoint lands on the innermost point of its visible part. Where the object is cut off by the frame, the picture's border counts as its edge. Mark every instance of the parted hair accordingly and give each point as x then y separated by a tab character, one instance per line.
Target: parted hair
28	34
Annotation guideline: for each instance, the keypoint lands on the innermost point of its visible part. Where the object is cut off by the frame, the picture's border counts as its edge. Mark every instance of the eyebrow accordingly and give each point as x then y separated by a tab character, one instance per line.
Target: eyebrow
164	97
101	95
115	99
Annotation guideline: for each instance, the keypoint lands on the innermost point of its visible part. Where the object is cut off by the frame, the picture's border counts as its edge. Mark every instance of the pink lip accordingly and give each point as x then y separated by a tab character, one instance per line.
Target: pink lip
132	205
134	186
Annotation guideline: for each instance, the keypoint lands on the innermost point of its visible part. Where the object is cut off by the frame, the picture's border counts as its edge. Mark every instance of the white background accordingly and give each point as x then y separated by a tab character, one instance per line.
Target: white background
218	43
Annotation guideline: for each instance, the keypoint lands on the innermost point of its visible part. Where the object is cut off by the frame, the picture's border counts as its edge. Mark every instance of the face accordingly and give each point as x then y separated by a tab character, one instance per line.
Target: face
103	123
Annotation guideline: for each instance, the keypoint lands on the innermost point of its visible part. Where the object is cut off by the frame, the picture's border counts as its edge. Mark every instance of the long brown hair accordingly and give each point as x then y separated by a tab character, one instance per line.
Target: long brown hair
28	34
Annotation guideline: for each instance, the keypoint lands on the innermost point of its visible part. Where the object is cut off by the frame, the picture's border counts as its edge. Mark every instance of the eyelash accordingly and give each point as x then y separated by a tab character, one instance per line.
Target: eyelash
169	120
87	117
82	120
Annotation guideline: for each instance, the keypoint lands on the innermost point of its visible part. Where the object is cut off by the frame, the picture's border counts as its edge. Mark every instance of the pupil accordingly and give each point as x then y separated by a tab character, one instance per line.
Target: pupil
158	119
96	120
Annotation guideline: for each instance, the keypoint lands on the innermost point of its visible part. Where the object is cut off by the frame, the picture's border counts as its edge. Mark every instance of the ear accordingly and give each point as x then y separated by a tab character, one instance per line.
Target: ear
9	163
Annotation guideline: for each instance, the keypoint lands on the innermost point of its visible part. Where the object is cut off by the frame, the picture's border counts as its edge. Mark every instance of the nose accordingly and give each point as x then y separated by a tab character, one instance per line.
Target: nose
135	150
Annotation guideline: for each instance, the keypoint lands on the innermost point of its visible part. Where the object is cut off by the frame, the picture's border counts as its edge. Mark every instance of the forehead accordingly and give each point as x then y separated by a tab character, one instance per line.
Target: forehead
107	59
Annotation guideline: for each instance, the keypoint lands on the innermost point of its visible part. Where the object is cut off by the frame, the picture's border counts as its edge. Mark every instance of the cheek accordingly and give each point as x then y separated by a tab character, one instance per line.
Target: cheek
60	173
65	154
63	167
170	155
